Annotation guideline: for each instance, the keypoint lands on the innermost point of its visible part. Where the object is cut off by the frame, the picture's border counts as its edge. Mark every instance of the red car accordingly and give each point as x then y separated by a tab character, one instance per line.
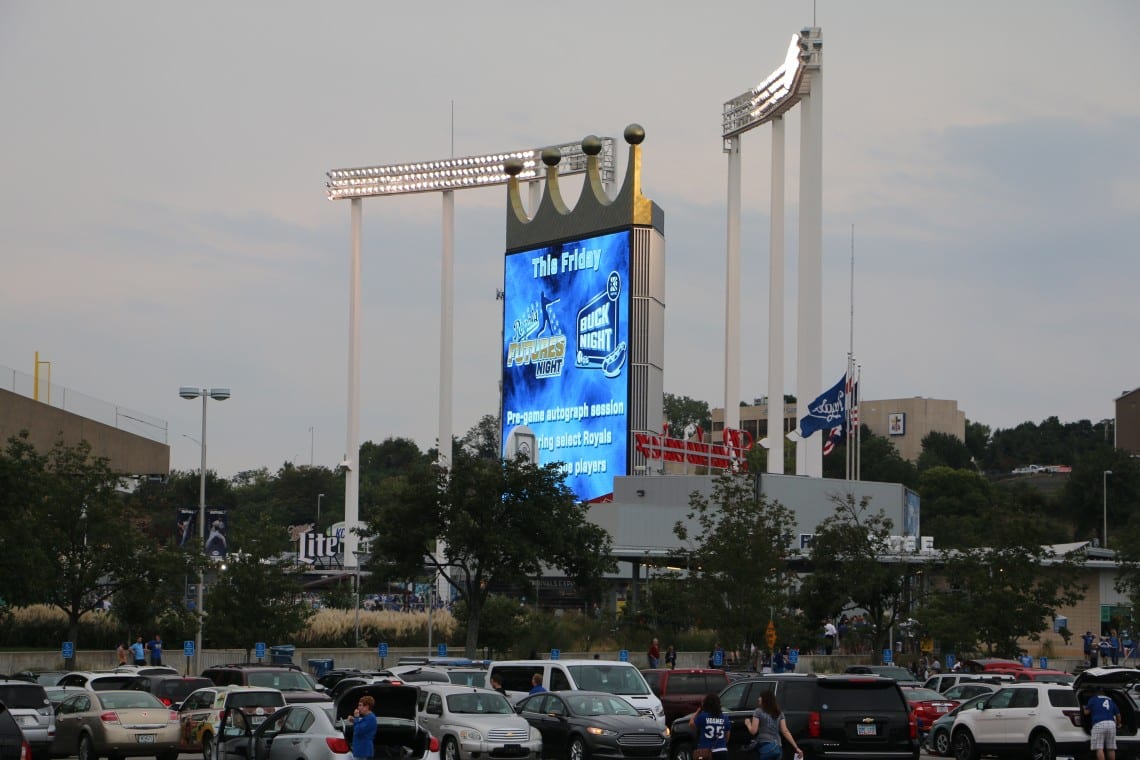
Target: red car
927	705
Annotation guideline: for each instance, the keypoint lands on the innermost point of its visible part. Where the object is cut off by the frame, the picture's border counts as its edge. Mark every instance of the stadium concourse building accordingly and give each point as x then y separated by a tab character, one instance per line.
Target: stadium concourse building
133	443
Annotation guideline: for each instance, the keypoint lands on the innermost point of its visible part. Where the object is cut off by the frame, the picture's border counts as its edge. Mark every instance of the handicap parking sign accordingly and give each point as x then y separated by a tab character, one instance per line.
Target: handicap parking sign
188	648
68	650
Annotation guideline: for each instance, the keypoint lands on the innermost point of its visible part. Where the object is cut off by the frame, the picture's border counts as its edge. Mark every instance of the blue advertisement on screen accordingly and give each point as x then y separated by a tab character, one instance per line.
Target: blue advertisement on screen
566	357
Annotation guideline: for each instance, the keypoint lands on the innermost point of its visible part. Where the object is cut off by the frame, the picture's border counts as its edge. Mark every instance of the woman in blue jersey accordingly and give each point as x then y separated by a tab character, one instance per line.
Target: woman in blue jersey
711	727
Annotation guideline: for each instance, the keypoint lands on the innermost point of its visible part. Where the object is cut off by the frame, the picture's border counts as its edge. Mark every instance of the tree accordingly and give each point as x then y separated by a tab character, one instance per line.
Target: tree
944	450
500	522
977	440
879	461
846	571
253	598
991	596
737	557
68	539
682	411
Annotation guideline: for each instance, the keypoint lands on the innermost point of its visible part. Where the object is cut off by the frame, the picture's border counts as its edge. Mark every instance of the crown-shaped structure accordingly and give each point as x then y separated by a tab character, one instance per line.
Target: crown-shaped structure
594	212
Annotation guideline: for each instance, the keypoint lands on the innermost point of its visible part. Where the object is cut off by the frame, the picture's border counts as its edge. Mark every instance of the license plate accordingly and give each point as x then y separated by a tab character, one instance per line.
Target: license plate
145	738
866	729
941	708
257	720
27	720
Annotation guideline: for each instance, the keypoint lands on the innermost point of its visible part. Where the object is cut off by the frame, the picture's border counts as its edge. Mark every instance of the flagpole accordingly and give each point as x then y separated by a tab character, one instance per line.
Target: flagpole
849	463
858	427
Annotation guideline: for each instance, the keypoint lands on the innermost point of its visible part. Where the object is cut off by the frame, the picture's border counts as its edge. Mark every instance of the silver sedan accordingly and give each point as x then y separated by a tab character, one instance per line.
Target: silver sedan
299	730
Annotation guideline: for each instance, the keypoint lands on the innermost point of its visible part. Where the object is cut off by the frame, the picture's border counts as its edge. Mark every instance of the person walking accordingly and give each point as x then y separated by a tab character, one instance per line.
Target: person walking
712	729
654	655
671	657
363	723
767	724
121	653
138	652
1104	717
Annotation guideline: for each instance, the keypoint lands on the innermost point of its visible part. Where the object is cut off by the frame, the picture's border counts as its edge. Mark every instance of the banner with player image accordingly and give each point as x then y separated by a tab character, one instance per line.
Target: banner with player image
566	356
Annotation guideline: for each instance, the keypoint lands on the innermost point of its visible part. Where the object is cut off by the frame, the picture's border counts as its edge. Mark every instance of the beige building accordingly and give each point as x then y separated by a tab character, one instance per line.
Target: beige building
904	421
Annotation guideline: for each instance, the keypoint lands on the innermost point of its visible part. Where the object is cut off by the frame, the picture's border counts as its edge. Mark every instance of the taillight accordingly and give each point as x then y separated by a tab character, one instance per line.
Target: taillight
221	716
166	701
25	751
337	745
172	716
1074	717
814	729
109	717
913	726
433	745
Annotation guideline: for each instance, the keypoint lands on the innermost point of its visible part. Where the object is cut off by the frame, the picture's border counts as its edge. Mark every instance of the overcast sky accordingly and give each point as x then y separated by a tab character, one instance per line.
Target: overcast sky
163	219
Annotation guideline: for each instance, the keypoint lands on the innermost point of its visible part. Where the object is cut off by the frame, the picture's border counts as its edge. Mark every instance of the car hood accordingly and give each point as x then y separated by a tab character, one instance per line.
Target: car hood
622	723
392	701
1106	677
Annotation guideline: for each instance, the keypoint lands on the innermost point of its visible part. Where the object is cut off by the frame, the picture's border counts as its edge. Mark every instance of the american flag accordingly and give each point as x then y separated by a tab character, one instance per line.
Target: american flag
833	439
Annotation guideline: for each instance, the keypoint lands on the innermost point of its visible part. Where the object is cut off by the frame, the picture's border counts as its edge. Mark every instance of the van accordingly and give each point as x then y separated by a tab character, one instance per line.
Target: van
620	678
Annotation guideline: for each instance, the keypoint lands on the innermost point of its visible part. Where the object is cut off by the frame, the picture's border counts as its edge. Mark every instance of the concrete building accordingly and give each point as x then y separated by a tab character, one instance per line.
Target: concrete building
1128	422
904	421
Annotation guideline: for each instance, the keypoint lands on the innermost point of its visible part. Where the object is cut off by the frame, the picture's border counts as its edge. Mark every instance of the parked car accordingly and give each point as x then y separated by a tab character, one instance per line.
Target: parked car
989	664
118	723
621	678
147	670
576	725
1042	718
170	690
332	677
841	716
13	745
969	690
97	680
1119	684
202	711
897	672
681	690
29	705
296	685
1043	675
927	706
938	738
948	680
398	735
416	674
471	723
295	731
468	677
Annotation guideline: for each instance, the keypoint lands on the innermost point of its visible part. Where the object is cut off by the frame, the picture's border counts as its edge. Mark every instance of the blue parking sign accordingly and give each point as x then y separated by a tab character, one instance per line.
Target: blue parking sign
555	654
441	650
382	649
259	649
793	656
888	657
68	650
623	655
188	647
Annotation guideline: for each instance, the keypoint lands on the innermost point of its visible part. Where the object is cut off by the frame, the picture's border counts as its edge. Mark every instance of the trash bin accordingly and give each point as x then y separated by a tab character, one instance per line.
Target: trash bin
319	667
282	654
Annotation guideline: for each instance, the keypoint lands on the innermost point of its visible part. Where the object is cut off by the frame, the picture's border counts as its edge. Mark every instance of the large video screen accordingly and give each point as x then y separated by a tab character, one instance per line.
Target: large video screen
566	357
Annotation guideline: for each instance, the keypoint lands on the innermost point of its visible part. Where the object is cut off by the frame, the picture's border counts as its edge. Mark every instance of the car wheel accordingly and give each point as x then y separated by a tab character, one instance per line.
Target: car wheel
683	751
85	751
208	746
450	750
1042	746
963	744
940	743
578	749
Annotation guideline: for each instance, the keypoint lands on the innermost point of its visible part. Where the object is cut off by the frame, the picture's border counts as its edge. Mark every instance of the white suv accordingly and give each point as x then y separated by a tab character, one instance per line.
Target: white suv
472	723
1044	718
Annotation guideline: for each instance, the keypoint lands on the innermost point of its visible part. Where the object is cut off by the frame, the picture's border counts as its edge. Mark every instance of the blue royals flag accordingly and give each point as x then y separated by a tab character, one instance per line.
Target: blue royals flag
828	411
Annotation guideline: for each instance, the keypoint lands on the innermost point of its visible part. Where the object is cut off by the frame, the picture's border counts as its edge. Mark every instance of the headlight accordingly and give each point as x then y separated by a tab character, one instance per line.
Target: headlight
659	710
470	734
596	731
666	732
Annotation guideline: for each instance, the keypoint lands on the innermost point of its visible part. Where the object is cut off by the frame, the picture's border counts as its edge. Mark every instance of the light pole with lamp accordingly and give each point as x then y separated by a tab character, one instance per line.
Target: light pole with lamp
218	394
319	497
1104	494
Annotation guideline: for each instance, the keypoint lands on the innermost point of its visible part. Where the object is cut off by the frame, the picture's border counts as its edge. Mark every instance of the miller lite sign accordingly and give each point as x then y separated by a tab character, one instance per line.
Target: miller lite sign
314	547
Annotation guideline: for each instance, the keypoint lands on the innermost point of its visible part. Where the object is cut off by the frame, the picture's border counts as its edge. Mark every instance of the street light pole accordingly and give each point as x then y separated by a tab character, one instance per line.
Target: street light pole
218	394
1104	494
319	497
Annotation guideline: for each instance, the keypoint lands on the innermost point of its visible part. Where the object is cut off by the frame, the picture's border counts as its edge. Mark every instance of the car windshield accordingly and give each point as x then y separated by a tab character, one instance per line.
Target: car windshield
596	704
897	673
285	680
255	699
616	679
923	695
479	704
18	697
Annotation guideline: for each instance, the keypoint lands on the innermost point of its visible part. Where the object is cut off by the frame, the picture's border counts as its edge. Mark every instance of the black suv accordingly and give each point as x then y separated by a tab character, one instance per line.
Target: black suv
290	681
830	716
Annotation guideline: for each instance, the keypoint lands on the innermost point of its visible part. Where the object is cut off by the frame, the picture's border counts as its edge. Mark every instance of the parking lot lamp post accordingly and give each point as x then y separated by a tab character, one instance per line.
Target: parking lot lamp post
218	394
1104	494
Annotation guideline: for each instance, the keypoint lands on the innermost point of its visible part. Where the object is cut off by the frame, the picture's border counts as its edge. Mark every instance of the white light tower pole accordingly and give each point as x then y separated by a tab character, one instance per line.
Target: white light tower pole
797	81
218	394
444	176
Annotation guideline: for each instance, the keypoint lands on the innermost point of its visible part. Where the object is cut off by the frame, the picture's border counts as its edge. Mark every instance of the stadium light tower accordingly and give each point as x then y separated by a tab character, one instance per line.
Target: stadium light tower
799	81
442	176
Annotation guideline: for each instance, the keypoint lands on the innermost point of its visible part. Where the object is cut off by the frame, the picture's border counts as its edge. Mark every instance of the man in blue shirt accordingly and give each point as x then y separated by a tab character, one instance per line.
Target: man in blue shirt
363	729
536	686
138	652
1104	717
154	646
